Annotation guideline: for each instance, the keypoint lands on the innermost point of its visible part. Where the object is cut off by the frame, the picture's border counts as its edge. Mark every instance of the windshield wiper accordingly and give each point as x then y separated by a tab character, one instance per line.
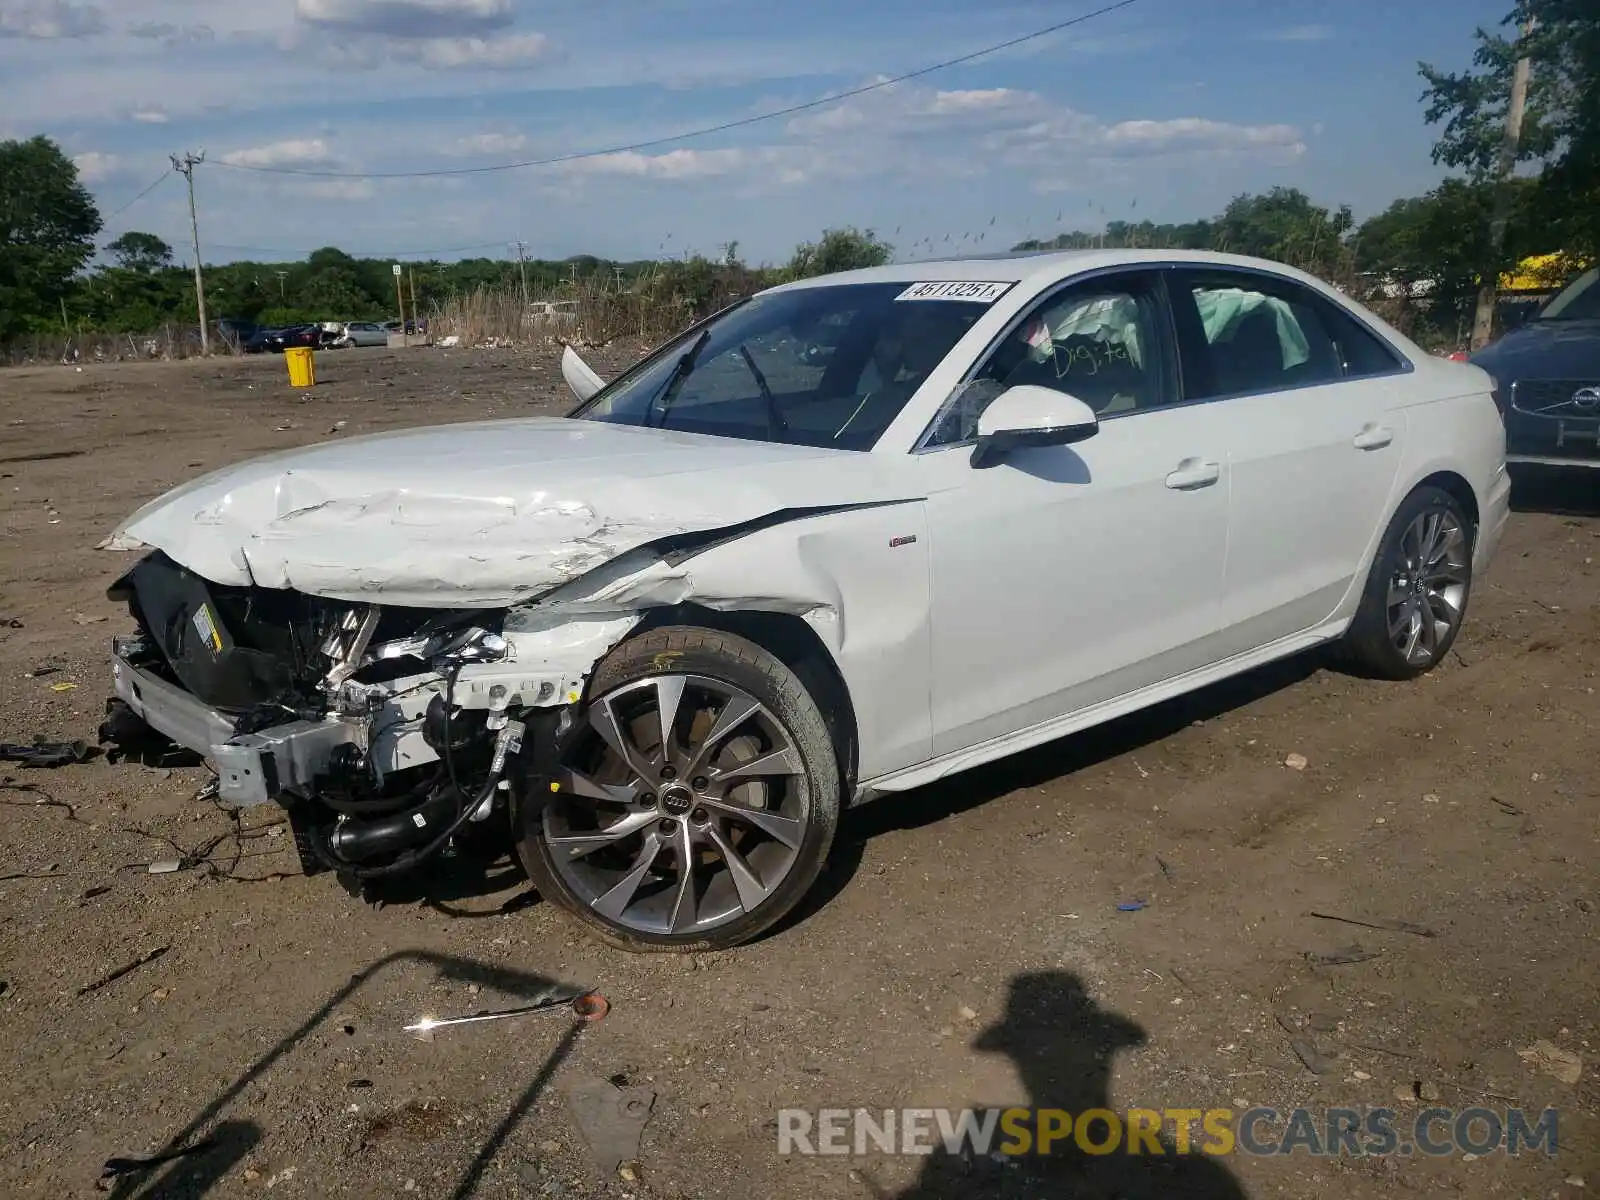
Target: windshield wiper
775	417
669	389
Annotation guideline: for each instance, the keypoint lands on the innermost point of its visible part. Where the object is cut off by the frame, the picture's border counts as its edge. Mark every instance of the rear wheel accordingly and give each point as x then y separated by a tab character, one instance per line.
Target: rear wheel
703	796
1416	593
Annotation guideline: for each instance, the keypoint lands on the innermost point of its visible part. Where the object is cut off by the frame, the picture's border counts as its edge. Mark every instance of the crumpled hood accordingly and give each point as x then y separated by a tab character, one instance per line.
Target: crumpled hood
484	513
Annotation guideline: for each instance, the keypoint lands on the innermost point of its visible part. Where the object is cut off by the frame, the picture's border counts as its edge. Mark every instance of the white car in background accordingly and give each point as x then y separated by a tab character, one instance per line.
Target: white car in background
667	638
362	333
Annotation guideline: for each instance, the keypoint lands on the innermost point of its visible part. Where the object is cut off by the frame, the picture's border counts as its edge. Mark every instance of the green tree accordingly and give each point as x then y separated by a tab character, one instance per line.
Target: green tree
143	252
1436	248
1561	121
1284	224
48	223
838	250
1287	226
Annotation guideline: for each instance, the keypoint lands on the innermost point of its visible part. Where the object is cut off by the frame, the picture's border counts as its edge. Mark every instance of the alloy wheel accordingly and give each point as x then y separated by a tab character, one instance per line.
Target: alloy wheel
687	806
1428	589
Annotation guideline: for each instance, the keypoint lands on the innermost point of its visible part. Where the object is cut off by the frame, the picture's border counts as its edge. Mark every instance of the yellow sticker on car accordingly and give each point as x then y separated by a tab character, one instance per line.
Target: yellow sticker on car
207	626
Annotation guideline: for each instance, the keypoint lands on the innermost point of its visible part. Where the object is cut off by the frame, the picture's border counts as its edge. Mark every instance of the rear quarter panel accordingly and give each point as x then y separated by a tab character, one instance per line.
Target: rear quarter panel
1453	425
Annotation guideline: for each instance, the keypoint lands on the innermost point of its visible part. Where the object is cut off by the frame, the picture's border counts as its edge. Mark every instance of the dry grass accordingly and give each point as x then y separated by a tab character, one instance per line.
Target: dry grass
650	307
167	343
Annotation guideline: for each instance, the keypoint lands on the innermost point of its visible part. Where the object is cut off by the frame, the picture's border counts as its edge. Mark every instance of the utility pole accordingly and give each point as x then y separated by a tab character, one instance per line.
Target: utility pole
522	268
400	300
1488	290
411	281
185	166
282	275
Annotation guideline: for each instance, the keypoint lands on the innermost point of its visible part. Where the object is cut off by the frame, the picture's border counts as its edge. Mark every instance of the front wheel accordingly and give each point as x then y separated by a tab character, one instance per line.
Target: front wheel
703	795
1416	594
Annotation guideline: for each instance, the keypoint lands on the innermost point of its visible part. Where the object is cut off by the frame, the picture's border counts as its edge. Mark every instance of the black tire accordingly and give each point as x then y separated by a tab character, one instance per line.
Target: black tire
693	651
1368	646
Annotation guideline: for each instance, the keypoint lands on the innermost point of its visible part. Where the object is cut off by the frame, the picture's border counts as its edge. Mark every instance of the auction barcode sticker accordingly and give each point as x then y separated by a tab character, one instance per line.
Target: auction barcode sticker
971	290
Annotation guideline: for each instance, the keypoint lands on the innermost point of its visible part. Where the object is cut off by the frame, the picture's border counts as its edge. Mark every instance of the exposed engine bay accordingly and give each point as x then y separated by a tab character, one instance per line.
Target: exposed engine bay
382	730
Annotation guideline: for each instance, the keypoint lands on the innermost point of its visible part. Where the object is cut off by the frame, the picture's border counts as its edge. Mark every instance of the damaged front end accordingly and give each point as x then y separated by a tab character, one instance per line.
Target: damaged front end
383	730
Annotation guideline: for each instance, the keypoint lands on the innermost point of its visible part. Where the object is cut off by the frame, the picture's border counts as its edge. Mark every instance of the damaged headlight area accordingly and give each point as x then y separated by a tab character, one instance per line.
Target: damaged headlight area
382	730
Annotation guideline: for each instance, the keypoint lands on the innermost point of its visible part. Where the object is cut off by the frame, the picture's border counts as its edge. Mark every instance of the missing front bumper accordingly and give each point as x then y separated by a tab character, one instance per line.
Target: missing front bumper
252	768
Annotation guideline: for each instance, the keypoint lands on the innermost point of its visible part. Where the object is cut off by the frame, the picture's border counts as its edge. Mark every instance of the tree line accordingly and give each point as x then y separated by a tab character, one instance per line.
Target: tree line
1426	256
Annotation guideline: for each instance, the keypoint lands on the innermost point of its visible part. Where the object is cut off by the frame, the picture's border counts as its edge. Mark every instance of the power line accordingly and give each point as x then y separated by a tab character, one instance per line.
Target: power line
159	181
708	130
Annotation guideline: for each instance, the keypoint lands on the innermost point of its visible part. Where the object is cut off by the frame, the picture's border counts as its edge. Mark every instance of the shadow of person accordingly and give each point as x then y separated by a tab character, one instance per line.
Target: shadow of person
1063	1043
200	1165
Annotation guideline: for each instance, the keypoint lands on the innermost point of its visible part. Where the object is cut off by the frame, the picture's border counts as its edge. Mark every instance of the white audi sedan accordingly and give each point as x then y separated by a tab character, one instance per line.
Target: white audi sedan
844	538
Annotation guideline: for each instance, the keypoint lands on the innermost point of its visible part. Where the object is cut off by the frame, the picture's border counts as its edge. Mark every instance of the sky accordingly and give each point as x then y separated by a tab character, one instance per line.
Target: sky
1163	110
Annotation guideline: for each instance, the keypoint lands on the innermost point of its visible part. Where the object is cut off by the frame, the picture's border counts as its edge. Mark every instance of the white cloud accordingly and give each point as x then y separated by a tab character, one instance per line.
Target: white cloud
490	143
406	18
296	152
95	166
1297	33
911	132
149	116
50	20
674	164
172	35
918	129
1130	138
460	53
914	110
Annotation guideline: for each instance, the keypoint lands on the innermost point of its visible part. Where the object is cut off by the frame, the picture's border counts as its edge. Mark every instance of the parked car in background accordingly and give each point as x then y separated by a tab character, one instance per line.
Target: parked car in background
275	341
666	639
1547	379
362	333
553	312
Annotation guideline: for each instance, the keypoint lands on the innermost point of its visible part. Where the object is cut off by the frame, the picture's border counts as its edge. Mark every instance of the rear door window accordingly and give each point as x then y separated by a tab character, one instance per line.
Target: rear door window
1256	333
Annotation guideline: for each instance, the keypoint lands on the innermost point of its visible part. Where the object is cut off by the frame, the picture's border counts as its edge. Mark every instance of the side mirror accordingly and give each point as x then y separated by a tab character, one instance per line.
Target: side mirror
580	376
1029	415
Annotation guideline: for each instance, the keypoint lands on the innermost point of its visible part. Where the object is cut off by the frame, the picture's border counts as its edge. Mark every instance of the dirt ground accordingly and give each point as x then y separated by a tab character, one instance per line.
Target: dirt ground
973	945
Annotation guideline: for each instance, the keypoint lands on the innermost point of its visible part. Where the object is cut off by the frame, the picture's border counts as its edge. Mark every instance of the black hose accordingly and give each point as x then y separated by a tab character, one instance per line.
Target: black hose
411	858
449	703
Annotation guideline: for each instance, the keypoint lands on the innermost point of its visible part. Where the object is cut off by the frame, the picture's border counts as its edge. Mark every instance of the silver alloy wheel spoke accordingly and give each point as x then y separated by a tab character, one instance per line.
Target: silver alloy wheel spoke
1442	609
576	845
784	829
683	903
615	901
649	836
582	785
735	713
603	716
1413	631
745	881
669	694
779	762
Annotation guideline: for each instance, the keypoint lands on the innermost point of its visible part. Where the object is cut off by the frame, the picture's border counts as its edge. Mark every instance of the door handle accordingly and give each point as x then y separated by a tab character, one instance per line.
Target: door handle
1373	437
1192	473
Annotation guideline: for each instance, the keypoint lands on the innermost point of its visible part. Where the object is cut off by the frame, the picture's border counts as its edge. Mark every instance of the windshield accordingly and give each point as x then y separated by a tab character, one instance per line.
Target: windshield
820	366
1578	301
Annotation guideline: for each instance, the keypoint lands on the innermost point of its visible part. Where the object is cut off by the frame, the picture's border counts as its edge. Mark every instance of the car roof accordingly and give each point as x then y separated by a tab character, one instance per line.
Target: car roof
1022	265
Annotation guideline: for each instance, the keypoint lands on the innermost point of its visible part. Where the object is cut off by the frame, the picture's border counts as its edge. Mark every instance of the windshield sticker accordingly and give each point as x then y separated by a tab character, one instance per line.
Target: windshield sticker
970	290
